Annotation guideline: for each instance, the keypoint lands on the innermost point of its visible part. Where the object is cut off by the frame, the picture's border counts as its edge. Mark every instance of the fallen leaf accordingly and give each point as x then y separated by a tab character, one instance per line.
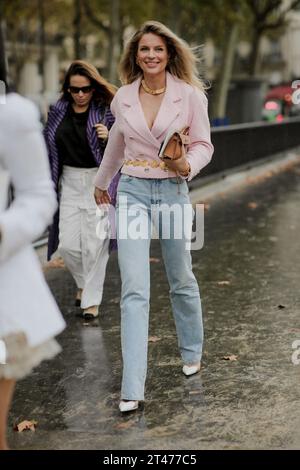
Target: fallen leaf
125	425
154	339
223	283
230	358
26	426
294	330
253	205
154	260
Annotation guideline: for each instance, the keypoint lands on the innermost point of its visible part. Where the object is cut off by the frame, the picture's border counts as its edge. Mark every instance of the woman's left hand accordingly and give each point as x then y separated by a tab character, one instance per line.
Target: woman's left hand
180	166
102	131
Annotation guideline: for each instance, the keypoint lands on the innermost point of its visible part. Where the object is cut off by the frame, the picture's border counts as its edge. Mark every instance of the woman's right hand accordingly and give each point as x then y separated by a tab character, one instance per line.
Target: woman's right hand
101	196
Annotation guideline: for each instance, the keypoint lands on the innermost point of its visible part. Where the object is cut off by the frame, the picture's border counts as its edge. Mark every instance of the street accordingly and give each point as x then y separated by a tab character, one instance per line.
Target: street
247	395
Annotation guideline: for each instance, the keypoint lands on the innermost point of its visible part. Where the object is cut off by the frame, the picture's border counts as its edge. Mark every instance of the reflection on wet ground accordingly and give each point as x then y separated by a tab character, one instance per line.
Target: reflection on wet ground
249	277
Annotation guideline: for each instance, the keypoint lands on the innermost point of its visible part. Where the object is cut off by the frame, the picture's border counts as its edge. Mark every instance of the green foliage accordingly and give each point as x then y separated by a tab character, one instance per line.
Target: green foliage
194	20
23	16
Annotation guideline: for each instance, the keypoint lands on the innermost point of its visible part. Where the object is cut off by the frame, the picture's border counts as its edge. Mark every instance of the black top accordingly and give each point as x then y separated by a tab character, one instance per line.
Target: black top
71	140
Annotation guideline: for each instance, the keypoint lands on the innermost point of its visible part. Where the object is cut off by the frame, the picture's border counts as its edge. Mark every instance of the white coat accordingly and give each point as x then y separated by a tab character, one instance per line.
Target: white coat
26	304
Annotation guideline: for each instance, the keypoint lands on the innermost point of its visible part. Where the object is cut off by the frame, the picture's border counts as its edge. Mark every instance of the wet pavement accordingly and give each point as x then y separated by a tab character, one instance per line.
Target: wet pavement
249	277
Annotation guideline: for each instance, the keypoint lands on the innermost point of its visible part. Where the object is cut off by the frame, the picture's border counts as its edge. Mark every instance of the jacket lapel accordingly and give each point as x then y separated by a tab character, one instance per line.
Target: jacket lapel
169	109
55	117
134	115
168	112
94	117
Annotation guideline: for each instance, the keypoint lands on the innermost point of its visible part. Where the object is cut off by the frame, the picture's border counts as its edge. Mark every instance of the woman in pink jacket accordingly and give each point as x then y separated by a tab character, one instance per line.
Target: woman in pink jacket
162	94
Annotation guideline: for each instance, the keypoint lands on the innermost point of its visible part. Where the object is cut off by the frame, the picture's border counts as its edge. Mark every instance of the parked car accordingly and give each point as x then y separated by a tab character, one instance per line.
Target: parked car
278	104
272	111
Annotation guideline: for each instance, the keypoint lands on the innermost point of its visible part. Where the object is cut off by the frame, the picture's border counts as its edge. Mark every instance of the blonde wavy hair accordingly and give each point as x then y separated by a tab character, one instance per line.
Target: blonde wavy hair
182	62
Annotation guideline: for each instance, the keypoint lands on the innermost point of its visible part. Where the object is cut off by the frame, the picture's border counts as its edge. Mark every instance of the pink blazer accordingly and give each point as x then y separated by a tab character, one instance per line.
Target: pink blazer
131	140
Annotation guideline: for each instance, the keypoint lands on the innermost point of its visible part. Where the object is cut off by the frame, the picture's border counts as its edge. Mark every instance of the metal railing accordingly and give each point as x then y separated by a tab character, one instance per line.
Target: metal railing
242	145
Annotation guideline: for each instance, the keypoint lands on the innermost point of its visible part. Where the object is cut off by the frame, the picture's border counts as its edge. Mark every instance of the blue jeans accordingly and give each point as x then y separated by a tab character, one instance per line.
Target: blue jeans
138	200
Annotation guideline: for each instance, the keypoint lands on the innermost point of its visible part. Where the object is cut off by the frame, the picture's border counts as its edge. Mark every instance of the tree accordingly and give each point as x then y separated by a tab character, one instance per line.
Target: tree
41	14
2	49
31	25
107	21
222	21
267	15
77	28
111	18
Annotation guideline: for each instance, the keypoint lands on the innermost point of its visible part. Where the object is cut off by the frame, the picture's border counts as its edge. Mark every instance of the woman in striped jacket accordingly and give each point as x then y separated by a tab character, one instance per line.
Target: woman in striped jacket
76	134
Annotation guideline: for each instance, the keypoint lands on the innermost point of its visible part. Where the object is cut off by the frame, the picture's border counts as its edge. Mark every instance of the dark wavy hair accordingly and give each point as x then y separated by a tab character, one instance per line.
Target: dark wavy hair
104	91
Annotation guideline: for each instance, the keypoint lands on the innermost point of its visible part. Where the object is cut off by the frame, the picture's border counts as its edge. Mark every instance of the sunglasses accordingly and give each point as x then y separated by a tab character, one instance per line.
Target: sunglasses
77	89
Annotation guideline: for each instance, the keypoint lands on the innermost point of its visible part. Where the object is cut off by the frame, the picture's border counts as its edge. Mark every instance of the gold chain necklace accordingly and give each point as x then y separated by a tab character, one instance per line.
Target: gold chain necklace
150	91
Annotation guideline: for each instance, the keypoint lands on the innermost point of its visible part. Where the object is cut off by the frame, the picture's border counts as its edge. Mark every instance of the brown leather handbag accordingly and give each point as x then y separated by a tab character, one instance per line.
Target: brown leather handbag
173	145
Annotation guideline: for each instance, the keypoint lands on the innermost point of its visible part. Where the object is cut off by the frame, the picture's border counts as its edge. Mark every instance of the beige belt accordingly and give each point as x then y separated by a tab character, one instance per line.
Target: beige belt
146	163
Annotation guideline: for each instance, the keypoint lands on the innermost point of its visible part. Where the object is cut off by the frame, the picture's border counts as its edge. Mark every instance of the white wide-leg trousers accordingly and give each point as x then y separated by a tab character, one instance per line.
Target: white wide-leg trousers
83	250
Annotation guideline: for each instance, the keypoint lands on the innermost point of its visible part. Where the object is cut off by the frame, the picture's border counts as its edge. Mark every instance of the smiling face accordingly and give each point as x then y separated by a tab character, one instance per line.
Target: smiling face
82	98
152	55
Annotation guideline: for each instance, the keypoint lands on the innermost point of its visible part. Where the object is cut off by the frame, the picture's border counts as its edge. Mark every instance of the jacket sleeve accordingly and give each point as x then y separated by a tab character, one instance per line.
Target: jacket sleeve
25	157
200	150
46	128
109	118
46	131
113	157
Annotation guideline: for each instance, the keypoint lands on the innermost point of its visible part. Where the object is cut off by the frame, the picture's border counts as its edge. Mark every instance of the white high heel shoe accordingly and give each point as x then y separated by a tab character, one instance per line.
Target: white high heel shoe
125	406
191	370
